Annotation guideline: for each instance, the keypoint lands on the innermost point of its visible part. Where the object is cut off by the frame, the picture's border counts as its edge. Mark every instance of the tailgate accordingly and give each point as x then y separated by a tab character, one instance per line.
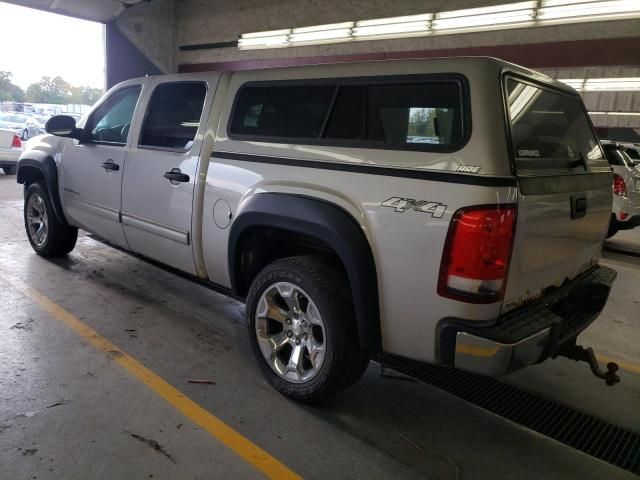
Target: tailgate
6	138
565	195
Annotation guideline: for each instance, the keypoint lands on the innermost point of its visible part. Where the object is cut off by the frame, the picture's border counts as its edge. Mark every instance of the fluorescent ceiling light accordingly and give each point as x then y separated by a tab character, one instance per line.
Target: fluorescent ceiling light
498	17
629	114
319	33
577	83
270	39
395	26
512	14
565	11
629	84
612	84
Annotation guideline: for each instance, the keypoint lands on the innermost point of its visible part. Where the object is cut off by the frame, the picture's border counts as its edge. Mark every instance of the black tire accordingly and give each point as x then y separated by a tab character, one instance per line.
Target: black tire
10	169
25	134
344	361
613	228
59	239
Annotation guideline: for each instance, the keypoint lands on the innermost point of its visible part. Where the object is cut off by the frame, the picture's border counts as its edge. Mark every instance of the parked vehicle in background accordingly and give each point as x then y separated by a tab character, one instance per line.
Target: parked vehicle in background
304	192
41	120
10	150
633	151
22	124
625	212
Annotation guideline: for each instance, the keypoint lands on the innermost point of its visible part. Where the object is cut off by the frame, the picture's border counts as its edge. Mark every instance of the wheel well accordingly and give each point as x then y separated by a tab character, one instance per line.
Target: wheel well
28	175
260	246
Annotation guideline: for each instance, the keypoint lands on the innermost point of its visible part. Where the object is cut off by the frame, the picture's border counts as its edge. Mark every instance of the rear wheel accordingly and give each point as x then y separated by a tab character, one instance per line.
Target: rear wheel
302	329
25	134
9	169
48	237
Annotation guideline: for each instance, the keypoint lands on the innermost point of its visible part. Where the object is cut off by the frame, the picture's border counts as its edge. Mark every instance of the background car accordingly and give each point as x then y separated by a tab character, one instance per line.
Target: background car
20	123
625	212
10	150
41	120
633	150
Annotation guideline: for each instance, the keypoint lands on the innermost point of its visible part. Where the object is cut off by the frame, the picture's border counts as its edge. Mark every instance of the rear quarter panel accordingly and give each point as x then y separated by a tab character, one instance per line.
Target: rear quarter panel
407	245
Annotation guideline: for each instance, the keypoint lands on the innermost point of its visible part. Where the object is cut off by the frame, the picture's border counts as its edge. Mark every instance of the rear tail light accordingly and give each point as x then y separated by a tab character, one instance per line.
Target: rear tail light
619	188
476	256
16	142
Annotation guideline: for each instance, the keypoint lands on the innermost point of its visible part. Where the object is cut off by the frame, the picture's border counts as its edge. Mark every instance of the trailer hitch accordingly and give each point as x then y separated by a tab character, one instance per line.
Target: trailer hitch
581	354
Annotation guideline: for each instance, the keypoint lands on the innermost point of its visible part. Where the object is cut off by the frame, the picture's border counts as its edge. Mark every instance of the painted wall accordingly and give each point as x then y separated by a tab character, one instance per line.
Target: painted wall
158	28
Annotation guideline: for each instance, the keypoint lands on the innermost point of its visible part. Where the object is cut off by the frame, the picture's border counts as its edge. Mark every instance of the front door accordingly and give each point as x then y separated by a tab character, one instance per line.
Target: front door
91	172
161	171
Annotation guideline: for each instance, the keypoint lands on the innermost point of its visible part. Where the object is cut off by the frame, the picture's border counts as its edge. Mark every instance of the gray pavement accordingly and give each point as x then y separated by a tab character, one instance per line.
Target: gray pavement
380	428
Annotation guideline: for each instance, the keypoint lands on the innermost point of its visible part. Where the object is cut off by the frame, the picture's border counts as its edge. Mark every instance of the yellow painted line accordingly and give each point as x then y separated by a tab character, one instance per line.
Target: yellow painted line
242	446
476	351
623	365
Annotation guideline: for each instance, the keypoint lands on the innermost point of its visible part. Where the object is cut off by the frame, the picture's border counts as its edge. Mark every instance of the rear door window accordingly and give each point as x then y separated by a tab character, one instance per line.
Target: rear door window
426	115
549	129
173	115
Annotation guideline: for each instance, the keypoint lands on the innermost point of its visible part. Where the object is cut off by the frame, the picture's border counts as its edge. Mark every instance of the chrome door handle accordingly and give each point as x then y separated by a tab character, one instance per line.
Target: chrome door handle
175	175
110	165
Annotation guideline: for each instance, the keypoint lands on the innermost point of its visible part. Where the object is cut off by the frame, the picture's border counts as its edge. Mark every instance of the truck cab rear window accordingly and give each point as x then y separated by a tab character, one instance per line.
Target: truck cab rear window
412	116
549	129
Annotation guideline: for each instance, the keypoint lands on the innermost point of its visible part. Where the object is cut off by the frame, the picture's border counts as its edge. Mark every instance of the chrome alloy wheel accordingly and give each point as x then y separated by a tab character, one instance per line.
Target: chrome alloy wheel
290	332
37	220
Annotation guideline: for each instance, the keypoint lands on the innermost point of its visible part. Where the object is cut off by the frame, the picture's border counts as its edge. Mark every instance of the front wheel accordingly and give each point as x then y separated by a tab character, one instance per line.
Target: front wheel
302	329
47	235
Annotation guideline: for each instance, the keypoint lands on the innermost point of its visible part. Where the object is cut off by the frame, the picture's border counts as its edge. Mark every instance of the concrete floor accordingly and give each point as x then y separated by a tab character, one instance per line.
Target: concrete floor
68	410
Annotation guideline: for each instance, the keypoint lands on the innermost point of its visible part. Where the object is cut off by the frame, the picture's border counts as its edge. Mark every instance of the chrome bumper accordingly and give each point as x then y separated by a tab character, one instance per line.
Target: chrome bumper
529	334
488	357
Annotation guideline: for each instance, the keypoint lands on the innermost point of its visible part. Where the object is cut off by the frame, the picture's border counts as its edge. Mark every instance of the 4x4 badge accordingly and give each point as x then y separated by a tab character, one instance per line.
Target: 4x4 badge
403	204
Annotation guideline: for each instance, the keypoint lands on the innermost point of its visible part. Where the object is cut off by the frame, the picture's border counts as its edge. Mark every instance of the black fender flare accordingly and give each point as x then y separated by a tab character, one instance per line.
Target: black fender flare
46	167
335	227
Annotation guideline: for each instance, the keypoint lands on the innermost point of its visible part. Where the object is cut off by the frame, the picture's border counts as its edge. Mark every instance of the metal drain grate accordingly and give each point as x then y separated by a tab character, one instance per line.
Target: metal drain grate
611	443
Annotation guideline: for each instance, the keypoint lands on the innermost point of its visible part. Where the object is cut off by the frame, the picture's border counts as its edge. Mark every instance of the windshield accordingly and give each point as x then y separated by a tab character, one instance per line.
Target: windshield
549	129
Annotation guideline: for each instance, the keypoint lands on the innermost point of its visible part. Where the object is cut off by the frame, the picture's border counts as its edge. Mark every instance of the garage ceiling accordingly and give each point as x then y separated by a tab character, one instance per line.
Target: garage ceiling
96	10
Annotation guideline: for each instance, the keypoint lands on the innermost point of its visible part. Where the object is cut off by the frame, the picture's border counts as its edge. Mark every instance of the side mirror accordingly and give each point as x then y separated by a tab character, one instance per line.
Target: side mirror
62	126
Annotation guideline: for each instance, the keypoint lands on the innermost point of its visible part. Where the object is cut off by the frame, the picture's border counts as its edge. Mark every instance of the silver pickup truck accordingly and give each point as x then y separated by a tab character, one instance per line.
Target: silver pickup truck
449	211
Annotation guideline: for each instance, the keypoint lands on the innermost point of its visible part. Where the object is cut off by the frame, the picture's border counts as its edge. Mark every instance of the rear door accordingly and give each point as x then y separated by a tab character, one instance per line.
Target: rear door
162	169
564	200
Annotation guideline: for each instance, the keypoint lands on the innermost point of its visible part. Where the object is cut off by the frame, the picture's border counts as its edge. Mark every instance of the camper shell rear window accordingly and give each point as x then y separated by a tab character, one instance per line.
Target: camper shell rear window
549	128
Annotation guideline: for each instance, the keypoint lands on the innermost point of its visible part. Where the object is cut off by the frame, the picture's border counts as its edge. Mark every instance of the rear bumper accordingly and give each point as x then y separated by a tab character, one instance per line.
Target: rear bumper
9	156
529	334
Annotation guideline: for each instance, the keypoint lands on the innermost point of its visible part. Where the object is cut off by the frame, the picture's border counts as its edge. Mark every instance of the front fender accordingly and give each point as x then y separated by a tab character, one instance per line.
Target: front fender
36	165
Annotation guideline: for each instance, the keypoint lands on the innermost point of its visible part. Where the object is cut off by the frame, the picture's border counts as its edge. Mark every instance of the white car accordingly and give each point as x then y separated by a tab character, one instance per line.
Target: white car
633	151
10	150
625	212
22	124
